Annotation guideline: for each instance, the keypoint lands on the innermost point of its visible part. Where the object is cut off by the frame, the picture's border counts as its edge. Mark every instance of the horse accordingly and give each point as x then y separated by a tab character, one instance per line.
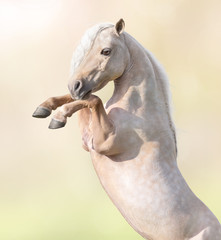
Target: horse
131	139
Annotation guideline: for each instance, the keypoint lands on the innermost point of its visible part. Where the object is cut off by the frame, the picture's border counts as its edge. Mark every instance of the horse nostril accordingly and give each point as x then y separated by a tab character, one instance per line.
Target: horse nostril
77	85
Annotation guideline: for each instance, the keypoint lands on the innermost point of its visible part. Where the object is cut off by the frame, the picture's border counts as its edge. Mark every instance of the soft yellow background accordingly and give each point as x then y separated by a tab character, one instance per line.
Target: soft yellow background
48	187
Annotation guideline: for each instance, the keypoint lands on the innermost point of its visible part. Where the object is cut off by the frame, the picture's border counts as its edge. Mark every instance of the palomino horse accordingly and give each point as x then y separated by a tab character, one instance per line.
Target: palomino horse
132	139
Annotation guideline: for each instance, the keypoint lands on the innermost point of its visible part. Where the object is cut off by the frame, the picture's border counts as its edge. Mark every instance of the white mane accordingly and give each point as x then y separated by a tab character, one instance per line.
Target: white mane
161	76
86	44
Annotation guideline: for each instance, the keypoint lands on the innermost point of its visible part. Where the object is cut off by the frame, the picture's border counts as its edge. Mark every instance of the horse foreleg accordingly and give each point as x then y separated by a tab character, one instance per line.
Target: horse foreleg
105	138
84	121
45	109
102	130
59	119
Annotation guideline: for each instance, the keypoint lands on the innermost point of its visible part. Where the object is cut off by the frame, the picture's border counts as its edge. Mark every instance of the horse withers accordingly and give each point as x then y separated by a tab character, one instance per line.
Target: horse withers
132	140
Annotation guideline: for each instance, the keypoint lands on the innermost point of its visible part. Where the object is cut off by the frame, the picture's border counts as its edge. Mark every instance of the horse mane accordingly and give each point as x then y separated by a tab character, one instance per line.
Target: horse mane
86	43
162	79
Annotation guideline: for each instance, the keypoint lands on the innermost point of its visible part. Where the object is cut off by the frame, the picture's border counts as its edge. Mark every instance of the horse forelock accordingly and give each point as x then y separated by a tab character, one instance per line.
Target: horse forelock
85	44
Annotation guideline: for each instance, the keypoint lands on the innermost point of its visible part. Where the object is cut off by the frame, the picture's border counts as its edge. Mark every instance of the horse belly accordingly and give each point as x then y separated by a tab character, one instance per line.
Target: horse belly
140	196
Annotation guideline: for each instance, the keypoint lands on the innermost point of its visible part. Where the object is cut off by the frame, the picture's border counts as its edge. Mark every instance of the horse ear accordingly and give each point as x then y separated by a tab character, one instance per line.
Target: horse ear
119	27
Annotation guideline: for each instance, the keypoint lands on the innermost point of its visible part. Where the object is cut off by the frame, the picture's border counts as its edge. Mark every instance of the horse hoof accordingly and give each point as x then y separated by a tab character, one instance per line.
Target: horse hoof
41	112
54	124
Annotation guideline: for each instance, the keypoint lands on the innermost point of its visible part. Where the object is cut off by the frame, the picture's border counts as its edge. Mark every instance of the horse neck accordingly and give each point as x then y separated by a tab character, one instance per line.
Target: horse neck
139	74
142	90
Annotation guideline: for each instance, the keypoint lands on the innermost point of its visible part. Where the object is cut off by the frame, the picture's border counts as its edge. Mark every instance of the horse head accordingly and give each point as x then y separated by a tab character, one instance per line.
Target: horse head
102	56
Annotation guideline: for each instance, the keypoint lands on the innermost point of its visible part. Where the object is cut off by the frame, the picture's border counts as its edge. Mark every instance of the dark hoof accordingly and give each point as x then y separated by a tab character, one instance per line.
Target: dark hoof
41	112
54	124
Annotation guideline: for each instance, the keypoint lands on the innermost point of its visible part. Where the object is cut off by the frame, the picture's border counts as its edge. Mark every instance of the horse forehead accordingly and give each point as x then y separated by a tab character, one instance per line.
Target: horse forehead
106	36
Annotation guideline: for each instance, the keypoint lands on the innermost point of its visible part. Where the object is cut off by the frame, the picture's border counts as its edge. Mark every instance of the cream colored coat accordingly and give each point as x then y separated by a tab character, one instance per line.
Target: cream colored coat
132	141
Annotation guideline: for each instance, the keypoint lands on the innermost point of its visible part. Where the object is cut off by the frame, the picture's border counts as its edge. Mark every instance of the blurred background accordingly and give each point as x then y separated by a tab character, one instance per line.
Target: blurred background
48	187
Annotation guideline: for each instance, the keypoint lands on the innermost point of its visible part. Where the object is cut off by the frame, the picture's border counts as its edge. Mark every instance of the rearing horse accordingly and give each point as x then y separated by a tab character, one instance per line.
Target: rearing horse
132	139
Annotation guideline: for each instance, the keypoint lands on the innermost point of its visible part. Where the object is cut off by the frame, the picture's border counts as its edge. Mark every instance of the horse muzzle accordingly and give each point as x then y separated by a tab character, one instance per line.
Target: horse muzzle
78	90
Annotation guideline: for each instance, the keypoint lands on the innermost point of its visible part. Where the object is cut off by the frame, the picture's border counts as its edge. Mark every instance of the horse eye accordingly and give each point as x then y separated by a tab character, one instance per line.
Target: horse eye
106	51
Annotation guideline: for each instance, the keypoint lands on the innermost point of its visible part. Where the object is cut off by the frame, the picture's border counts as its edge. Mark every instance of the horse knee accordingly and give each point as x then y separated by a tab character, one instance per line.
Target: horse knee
94	102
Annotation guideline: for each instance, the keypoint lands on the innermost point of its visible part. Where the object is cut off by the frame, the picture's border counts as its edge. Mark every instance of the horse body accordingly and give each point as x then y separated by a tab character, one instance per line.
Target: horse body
132	140
144	181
